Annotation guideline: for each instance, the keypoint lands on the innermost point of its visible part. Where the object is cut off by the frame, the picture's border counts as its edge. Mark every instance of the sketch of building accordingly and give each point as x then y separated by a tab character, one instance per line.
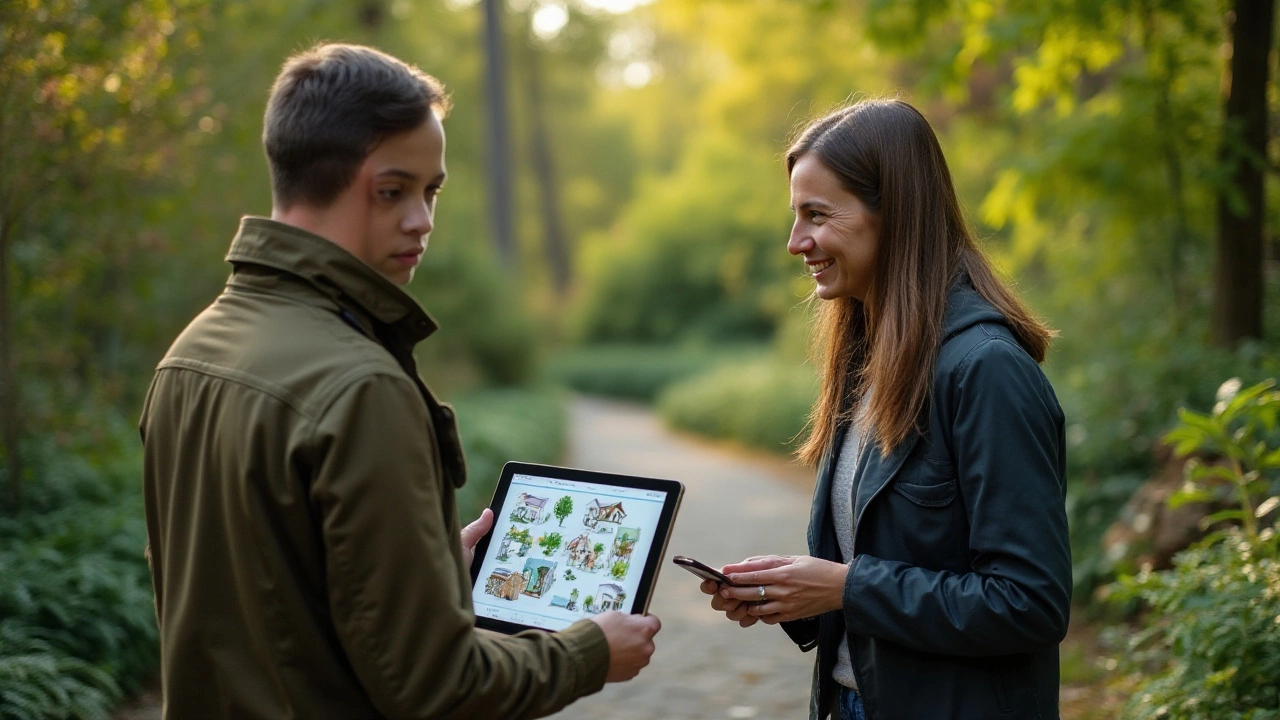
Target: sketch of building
609	597
505	584
539	574
624	544
528	508
598	512
518	537
578	549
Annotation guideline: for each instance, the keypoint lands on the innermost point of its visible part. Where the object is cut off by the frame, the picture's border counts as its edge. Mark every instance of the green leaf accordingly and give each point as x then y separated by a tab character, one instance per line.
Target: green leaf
1189	494
1220	516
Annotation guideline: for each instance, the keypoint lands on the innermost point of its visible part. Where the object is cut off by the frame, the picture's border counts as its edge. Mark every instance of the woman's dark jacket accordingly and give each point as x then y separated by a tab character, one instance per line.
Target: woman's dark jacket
960	585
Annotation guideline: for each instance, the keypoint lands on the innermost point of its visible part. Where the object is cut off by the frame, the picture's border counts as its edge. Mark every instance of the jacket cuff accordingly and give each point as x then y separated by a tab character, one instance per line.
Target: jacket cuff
589	650
803	632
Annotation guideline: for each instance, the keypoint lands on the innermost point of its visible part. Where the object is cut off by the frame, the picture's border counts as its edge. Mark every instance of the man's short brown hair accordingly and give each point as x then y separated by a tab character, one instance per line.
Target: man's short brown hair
329	107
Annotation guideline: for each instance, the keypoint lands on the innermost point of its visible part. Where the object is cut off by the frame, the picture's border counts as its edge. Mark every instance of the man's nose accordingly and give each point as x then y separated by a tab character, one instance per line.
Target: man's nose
420	221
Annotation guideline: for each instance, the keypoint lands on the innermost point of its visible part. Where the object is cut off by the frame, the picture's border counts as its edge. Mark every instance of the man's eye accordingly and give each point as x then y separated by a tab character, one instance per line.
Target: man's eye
816	216
389	193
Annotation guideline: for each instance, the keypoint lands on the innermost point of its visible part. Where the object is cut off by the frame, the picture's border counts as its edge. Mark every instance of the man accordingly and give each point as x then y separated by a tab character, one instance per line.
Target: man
299	476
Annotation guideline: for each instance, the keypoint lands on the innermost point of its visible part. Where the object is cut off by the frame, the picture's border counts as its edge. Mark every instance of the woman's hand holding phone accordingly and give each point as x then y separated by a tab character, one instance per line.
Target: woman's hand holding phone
713	581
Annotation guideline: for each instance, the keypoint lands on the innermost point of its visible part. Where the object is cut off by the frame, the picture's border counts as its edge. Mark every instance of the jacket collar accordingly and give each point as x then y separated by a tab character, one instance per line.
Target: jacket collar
331	270
966	308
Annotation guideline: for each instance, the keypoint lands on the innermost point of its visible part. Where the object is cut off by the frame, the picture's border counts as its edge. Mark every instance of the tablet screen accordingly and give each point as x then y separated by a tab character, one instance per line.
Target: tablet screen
569	544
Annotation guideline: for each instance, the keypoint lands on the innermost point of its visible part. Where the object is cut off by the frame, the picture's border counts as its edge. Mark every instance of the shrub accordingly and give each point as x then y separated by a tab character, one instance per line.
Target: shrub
498	425
38	681
638	372
1118	402
763	403
1209	645
698	253
79	621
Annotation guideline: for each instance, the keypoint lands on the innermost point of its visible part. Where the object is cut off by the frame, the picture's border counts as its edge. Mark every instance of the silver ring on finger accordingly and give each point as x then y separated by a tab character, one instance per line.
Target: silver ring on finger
760	590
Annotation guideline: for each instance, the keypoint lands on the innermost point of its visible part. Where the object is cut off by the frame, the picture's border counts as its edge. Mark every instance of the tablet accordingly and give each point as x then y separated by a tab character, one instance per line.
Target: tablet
567	544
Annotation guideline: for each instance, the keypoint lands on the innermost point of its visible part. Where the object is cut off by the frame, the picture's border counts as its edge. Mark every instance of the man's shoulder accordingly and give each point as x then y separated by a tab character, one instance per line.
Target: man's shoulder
305	353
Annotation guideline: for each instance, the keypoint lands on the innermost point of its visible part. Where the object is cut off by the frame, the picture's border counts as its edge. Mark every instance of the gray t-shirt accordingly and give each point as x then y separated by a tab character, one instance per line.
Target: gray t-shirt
842	515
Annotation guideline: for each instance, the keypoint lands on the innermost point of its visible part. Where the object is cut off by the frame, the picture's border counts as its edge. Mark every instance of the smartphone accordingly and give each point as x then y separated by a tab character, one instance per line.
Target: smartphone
701	570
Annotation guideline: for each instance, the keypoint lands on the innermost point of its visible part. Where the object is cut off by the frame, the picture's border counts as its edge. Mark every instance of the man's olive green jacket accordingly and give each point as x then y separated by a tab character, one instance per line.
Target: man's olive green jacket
302	532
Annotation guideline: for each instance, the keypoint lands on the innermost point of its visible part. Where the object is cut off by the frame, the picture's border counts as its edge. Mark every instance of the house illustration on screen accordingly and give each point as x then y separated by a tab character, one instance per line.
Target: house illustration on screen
540	575
598	512
505	584
609	597
528	508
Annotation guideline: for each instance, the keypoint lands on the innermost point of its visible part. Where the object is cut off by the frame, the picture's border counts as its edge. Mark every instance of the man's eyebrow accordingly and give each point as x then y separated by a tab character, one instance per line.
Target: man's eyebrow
410	176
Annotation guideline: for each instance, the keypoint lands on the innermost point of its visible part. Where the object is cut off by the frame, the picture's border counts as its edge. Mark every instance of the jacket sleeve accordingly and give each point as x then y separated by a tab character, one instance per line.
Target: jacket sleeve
1007	439
398	592
803	632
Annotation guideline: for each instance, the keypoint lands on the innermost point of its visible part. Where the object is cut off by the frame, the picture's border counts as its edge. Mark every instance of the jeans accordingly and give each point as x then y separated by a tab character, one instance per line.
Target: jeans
851	705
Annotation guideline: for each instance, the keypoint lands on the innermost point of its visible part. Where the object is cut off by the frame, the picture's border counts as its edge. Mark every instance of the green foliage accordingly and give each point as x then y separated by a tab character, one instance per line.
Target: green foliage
762	403
619	569
498	425
39	681
550	543
637	372
671	270
1241	431
1208	646
1207	650
1118	403
79	621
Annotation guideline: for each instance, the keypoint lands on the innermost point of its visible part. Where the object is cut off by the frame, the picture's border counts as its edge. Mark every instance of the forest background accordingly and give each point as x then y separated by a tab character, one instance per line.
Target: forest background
615	222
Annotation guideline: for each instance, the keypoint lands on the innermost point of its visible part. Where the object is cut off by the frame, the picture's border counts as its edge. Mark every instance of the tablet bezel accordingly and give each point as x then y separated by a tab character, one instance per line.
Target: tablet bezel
652	564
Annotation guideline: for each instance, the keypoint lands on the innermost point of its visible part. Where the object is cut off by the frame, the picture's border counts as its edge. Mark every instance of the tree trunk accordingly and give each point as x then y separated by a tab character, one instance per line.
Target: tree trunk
498	135
1238	280
545	174
8	379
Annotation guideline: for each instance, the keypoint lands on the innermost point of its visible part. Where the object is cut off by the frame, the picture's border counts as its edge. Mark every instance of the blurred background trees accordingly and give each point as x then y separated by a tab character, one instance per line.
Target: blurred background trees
1117	157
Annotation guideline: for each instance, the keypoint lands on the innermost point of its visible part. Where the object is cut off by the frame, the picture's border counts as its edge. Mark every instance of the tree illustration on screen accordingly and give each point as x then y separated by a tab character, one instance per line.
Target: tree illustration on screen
564	507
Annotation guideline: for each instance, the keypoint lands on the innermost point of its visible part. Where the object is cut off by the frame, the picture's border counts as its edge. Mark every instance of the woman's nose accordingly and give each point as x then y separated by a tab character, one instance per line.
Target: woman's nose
800	242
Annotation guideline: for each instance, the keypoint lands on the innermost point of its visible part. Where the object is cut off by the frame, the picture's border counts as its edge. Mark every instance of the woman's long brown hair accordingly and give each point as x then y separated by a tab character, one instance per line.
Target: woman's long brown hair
886	154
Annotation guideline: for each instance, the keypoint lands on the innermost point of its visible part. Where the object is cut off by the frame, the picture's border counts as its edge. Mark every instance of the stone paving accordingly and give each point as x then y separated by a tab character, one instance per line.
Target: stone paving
735	506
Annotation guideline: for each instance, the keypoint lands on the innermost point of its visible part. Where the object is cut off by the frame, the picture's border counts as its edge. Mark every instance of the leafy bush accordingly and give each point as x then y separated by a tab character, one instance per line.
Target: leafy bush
700	253
38	681
1209	646
486	328
79	621
498	425
636	372
1118	403
763	403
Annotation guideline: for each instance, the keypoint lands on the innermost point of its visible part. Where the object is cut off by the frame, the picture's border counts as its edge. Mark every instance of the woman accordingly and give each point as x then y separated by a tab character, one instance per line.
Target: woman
938	579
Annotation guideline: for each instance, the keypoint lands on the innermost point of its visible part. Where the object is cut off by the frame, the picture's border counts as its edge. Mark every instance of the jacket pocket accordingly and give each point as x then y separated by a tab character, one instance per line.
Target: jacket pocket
927	483
1015	688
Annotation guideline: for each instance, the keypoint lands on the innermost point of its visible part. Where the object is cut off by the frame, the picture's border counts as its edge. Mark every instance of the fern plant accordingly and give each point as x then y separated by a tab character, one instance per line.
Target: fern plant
39	681
1208	648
